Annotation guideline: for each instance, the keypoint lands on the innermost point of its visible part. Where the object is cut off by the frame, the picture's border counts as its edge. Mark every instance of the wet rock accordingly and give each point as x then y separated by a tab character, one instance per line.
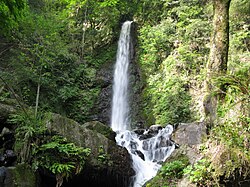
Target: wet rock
140	154
133	145
145	136
102	108
155	128
152	131
145	145
139	131
163	142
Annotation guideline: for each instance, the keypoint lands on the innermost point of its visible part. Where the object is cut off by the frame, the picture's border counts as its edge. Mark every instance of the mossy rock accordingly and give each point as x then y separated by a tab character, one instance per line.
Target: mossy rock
101	128
6	110
20	176
119	162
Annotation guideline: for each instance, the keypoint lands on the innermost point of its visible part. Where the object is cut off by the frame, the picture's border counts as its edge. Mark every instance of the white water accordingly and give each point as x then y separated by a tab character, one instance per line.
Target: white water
120	109
147	150
155	149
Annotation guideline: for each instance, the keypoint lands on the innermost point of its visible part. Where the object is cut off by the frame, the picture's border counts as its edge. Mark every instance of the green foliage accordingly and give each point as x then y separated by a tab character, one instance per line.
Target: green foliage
228	154
28	131
103	157
172	106
155	44
60	157
10	14
172	55
199	172
52	152
169	173
234	128
171	170
44	58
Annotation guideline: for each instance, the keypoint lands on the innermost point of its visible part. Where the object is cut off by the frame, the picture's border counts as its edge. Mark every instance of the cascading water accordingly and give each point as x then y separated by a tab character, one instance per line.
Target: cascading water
148	148
119	117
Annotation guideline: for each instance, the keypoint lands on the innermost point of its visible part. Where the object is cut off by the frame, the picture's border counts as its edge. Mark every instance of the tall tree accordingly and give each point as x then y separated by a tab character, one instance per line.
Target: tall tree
217	63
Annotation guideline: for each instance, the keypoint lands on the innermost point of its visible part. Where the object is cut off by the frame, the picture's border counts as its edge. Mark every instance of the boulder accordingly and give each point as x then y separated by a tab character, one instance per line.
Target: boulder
19	176
101	128
115	166
184	151
190	133
6	110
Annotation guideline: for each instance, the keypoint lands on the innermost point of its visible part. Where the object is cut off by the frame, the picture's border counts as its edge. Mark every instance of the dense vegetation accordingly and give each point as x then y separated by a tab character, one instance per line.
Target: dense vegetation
51	50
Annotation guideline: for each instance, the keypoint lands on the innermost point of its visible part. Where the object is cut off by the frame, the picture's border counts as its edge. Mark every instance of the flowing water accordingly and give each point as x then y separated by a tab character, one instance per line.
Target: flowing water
148	148
120	108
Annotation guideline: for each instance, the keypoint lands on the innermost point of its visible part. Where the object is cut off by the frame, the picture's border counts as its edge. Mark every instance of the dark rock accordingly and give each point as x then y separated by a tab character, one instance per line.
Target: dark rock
102	107
145	145
155	128
139	131
145	136
8	158
163	142
140	154
152	131
20	175
7	138
2	175
133	146
2	159
175	126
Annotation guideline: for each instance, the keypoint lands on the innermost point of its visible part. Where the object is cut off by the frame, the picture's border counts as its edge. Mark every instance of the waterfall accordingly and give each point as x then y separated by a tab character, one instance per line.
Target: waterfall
120	109
148	148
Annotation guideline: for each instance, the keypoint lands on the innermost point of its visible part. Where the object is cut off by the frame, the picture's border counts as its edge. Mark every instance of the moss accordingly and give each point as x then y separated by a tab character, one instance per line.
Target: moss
23	175
101	128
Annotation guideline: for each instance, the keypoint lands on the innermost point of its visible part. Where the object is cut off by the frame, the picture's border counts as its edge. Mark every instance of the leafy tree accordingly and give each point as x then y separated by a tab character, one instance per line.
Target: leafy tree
10	13
172	55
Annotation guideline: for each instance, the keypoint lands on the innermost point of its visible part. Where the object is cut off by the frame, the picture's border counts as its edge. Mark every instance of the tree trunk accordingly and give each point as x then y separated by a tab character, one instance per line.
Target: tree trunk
37	98
217	64
220	38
